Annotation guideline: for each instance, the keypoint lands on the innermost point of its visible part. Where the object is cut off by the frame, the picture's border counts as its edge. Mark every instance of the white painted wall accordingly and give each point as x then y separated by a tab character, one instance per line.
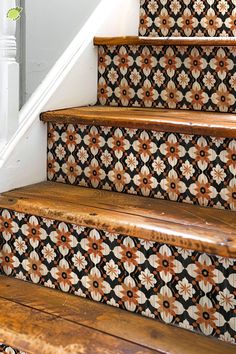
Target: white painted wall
50	25
72	81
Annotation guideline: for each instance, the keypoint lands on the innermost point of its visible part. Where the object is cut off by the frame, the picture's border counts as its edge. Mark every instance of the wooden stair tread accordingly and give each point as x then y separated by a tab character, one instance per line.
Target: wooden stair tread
29	311
40	321
184	225
168	120
160	41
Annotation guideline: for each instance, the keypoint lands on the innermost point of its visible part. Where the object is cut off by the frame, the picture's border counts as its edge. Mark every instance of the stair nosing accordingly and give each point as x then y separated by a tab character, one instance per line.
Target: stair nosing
160	41
156	229
161	120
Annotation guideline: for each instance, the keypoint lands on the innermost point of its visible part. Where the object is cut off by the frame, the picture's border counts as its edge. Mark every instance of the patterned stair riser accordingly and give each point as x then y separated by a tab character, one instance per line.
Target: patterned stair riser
209	18
193	169
6	349
182	287
196	78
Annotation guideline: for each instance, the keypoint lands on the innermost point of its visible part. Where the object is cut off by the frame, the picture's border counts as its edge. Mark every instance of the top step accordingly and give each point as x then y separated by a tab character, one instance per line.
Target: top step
211	18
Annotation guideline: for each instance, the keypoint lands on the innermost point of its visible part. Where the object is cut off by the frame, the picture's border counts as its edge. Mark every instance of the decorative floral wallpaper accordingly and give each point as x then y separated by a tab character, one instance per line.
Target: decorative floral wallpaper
183	168
196	78
188	18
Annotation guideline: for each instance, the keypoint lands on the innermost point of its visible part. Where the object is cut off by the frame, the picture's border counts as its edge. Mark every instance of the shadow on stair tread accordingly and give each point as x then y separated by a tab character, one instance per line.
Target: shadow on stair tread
188	226
65	321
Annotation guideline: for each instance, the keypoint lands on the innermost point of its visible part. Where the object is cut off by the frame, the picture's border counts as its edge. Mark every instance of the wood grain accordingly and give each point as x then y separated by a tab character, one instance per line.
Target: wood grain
36	331
184	225
167	120
130	327
160	41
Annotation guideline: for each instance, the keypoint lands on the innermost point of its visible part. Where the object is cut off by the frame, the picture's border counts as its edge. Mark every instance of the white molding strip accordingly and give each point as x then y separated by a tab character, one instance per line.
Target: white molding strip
71	82
9	74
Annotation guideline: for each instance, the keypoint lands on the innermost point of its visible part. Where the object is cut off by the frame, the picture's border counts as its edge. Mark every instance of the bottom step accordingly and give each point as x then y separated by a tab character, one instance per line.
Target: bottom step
44	321
156	258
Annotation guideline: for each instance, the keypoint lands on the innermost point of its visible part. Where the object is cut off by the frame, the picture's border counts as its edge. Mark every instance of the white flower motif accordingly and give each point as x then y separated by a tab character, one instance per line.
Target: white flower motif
226	337
20	245
106	158
112	269
79	261
83	155
158	166
226	300
131	161
187	170
185	289
218	174
147	279
186	325
49	253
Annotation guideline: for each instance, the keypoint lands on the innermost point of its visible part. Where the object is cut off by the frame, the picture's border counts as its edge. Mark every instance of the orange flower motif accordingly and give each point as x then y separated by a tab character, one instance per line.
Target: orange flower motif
165	263
95	173
123	60
171	95
146	61
195	63
124	92
170	62
104	91
52	167
187	22
147	93
164	22
221	63
118	143
96	285
211	22
129	294
223	98
205	273
197	97
206	316
144	23
231	22
6	260
145	181
166	304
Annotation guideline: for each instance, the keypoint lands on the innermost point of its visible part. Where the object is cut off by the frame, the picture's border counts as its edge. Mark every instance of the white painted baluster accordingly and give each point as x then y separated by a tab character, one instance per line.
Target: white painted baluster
9	74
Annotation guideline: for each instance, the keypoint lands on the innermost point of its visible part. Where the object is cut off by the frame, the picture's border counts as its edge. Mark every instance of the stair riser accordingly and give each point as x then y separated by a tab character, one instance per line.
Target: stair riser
172	167
136	275
196	78
6	349
187	18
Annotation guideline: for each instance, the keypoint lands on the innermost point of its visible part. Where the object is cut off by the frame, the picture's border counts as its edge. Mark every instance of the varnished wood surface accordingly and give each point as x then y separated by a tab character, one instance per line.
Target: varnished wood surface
160	41
38	331
167	120
184	225
146	333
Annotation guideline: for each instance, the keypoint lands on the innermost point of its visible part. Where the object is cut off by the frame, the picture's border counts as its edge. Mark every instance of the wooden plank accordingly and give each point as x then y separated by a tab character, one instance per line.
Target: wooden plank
184	225
167	120
160	41
127	326
36	331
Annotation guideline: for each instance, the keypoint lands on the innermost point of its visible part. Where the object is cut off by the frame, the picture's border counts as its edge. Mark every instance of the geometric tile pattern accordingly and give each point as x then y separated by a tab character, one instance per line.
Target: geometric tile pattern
177	286
179	77
6	349
209	18
184	168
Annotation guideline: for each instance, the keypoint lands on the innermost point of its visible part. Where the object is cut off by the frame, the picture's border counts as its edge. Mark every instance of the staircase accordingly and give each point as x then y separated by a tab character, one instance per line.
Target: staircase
139	208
